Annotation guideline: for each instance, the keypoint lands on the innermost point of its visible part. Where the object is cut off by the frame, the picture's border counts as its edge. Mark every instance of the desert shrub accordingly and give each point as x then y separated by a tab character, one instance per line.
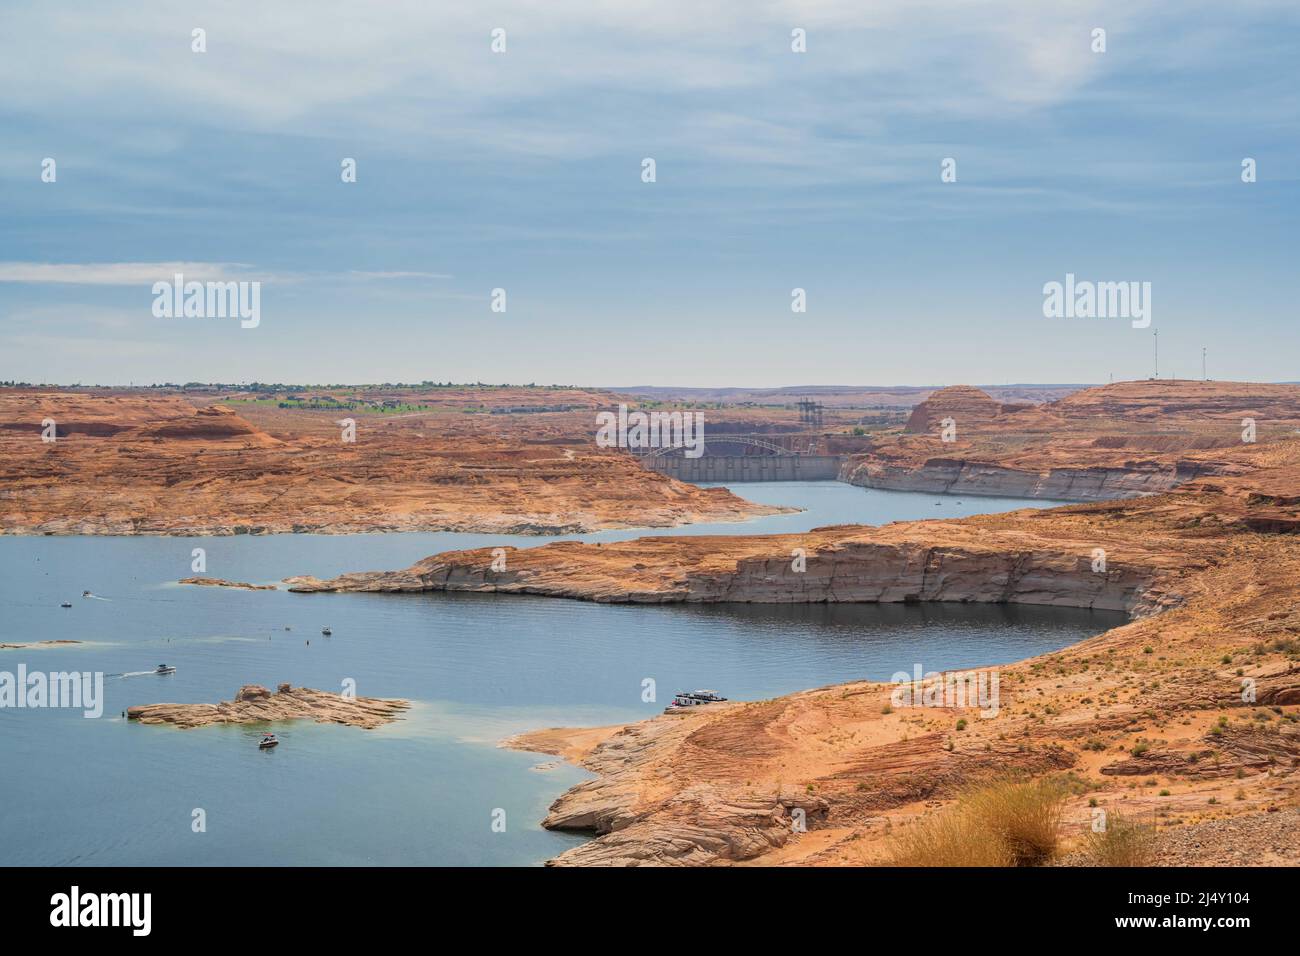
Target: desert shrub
949	838
1007	823
1123	843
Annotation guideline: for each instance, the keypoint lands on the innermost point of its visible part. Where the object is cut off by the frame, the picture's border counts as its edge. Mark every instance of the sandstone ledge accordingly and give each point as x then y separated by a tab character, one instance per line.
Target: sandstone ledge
709	826
955	476
1018	558
1149	546
222	583
254	703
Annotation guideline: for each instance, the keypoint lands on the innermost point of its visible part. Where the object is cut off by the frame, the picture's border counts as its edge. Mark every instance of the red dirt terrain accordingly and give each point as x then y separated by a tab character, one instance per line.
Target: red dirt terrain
138	463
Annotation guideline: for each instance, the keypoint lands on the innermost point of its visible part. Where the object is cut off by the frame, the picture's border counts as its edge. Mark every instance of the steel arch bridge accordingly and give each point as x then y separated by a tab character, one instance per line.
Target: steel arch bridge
773	449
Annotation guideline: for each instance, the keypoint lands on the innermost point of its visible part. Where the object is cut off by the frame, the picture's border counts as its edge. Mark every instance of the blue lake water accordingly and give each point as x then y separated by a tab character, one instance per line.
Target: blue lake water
476	667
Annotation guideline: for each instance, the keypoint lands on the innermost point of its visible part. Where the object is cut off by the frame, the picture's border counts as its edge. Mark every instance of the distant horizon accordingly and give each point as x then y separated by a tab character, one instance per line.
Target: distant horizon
627	388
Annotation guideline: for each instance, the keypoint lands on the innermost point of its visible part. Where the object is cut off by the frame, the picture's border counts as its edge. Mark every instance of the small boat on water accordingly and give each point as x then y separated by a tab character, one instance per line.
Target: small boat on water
268	741
66	604
326	631
165	669
694	698
86	594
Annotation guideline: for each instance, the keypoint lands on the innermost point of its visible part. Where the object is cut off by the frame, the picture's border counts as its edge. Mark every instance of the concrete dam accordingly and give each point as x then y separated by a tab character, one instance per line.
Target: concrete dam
736	458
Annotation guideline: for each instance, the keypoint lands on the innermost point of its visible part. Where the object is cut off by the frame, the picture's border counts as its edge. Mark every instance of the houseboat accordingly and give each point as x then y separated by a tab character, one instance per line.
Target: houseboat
693	698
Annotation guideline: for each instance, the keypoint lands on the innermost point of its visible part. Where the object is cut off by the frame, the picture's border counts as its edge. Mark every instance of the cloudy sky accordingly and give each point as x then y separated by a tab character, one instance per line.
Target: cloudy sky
522	170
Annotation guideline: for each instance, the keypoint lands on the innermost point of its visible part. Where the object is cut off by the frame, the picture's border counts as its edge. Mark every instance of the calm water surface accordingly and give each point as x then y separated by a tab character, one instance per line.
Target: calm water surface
476	667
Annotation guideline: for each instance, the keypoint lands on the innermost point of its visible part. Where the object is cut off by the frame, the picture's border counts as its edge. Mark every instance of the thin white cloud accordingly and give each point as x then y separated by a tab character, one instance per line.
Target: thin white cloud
119	273
398	275
146	273
425	71
671	78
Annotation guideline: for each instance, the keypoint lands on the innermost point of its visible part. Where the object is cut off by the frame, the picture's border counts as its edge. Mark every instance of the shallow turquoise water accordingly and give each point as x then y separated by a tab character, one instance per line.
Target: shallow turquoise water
478	667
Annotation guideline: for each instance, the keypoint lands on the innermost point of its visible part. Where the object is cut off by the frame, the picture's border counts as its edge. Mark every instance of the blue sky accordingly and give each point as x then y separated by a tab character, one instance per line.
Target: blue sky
522	171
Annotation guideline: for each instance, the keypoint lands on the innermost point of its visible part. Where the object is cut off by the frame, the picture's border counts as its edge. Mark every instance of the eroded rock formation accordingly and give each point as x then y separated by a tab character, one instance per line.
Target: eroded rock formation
254	703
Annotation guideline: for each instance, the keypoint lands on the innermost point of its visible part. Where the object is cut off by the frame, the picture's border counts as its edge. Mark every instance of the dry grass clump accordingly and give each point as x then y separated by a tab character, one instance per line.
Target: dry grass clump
1124	842
1008	823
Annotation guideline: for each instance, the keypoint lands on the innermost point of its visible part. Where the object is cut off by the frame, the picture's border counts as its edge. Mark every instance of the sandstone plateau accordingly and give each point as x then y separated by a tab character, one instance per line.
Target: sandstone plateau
1115	441
254	703
166	464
